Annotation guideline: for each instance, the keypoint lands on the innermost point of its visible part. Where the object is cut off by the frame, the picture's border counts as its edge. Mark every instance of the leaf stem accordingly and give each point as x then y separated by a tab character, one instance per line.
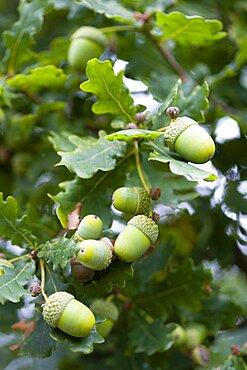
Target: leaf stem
139	167
20	258
42	269
117	28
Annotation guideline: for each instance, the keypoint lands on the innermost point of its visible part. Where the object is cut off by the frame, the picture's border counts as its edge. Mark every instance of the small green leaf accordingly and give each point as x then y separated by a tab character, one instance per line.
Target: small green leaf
189	30
114	276
90	156
58	253
234	363
113	96
149	337
111	9
129	135
83	345
14	226
177	166
40	78
13	280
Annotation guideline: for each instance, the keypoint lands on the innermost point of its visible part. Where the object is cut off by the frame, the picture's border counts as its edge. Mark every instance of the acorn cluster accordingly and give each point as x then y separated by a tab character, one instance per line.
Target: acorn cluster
94	252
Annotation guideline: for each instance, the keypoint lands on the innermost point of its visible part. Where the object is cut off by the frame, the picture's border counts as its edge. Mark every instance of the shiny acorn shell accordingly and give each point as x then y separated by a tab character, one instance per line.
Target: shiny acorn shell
63	311
134	200
185	137
90	227
95	254
79	272
136	237
86	43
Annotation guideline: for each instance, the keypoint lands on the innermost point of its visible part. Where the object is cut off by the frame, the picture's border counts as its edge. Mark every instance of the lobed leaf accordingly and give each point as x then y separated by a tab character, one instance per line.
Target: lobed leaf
113	96
149	337
13	280
111	9
40	78
91	155
178	166
13	225
129	135
189	30
58	253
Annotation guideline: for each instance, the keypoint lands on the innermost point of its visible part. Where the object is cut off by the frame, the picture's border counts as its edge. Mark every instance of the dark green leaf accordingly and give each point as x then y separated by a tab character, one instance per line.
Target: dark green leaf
58	253
129	135
187	30
234	363
13	280
113	96
13	226
83	345
111	9
149	337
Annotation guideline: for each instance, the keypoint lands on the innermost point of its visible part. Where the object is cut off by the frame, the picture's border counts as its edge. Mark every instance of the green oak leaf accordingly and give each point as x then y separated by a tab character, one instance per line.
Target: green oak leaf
183	286
114	276
129	135
189	30
13	225
91	155
234	363
149	337
111	9
58	253
113	96
194	103
19	39
84	345
178	166
38	79
13	280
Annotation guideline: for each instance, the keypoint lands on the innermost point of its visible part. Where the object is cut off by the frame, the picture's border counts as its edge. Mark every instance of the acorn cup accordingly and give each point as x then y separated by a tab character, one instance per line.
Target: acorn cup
134	200
136	237
86	43
63	311
95	254
185	137
107	309
90	227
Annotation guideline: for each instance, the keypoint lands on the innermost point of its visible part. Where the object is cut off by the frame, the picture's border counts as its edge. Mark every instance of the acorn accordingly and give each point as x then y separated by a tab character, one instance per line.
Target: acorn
79	272
200	355
195	334
86	43
107	309
177	334
90	227
95	254
63	311
136	237
185	137
131	200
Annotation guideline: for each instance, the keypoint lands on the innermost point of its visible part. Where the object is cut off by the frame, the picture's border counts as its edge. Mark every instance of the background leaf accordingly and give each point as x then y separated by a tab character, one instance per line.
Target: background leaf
128	135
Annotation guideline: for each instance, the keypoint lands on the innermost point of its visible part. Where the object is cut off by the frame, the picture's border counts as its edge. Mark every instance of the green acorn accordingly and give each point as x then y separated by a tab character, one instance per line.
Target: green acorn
86	43
135	239
90	227
185	137
177	334
200	355
107	309
131	200
95	254
63	311
195	334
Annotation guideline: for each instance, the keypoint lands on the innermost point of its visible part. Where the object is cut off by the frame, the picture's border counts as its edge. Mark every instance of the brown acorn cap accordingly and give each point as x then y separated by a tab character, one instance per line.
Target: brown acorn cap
54	307
146	225
143	202
90	33
176	127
